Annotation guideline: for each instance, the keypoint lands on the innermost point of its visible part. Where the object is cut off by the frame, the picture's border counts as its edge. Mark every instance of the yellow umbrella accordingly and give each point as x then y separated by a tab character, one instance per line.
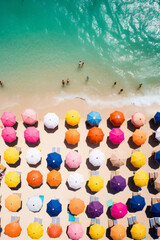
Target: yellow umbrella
138	231
35	230
72	117
138	159
95	183
141	178
12	179
11	155
96	231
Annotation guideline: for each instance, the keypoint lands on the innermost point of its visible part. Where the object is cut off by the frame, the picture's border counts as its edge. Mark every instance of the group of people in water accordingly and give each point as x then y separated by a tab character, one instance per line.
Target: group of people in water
121	90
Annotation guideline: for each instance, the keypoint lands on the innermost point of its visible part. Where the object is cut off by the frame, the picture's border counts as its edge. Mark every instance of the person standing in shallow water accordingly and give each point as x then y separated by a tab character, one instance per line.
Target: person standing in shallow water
140	85
121	90
63	83
1	83
67	81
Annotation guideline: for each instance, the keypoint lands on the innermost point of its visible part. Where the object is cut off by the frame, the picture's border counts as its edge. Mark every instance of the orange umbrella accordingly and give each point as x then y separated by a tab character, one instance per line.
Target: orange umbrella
54	178
139	137
13	203
118	232
117	118
12	229
76	206
72	136
95	135
54	230
34	178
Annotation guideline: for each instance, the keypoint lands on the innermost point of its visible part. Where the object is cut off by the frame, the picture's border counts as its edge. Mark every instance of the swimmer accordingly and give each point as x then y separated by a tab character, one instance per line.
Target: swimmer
1	83
63	83
140	85
114	84
80	63
67	81
87	78
121	91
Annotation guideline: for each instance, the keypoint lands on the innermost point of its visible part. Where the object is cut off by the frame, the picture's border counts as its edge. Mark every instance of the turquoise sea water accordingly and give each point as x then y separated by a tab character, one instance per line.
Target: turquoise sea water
41	42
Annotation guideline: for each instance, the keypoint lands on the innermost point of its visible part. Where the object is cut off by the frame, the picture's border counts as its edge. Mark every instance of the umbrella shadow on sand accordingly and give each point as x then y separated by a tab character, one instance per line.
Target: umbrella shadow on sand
153	141
71	189
16	188
153	163
87	232
132	144
70	146
35	165
128	232
91	145
31	144
70	169
90	166
128	206
108	232
48	130
88	126
110	166
151	189
28	125
132	185
111	145
52	187
88	190
15	164
69	126
12	144
130	166
15	126
153	125
148	213
130	126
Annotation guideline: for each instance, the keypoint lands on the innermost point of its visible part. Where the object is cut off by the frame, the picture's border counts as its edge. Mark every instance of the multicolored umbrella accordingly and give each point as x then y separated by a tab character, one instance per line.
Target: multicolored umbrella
141	178
118	210
118	232
95	183
34	178
51	120
73	117
157	136
157	184
138	119
54	160
54	208
72	136
54	178
96	157
13	229
33	156
155	209
73	159
75	231
137	203
138	231
12	179
118	183
116	136
117	118
95	135
9	134
29	116
139	137
34	204
11	155
94	118
138	159
54	230
118	158
95	209
75	181
8	119
157	156
35	230
13	203
157	118
76	206
31	134
96	231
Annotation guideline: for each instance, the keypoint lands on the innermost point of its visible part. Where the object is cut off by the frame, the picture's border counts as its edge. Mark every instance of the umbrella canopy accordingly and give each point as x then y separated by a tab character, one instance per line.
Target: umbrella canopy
13	203
8	119
118	183
75	231
95	183
141	178
54	208
35	230
138	159
157	136
75	180
73	159
118	210
33	156
118	158
157	184
54	230
155	209
34	204
118	232
54	178
95	135
96	157
157	156
54	160
157	118
12	229
12	179
137	203
29	116
34	178
116	136
94	118
11	155
117	118
72	136
139	137
9	134
138	231
76	206
95	209
138	119
31	134
96	231
72	117
51	120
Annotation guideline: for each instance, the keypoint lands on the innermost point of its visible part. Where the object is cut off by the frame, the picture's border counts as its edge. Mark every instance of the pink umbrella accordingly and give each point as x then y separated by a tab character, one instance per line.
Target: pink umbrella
29	116
75	231
138	119
73	159
31	134
8	119
9	134
116	136
118	210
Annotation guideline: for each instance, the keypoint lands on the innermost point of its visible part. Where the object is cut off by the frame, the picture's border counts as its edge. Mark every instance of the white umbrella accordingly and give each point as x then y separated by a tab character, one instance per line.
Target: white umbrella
158	134
51	120
96	158
34	204
75	180
33	156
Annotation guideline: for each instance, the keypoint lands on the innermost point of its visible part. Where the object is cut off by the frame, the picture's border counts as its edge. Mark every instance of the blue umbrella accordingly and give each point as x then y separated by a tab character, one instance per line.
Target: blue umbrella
54	207
155	209
94	118
54	160
118	183
137	203
157	118
157	157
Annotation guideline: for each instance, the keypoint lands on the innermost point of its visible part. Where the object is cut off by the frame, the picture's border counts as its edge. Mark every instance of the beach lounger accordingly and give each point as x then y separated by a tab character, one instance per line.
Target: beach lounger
134	219
96	198
35	219
130	221
93	173
91	198
152	222
117	173
112	174
98	220
53	220
53	149
40	220
134	194
93	220
115	222
58	149
157	220
110	223
77	219
58	220
153	200
97	173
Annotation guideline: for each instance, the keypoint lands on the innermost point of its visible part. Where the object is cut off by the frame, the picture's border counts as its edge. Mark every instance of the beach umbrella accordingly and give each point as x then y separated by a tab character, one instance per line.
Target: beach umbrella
95	183
13	203
139	137
72	136
118	210
117	159
72	117
138	119
33	156
138	159
13	229
54	230
34	178
54	160
157	118
29	116
54	208
118	183
31	134
9	134
157	156
157	136
8	119
11	155
138	231
96	231
116	135
118	232
95	209
94	118
76	206
12	179
75	181
51	120
54	178
34	204
157	184
96	157
73	159
141	178
95	135
75	231
137	203
117	118
35	230
155	209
